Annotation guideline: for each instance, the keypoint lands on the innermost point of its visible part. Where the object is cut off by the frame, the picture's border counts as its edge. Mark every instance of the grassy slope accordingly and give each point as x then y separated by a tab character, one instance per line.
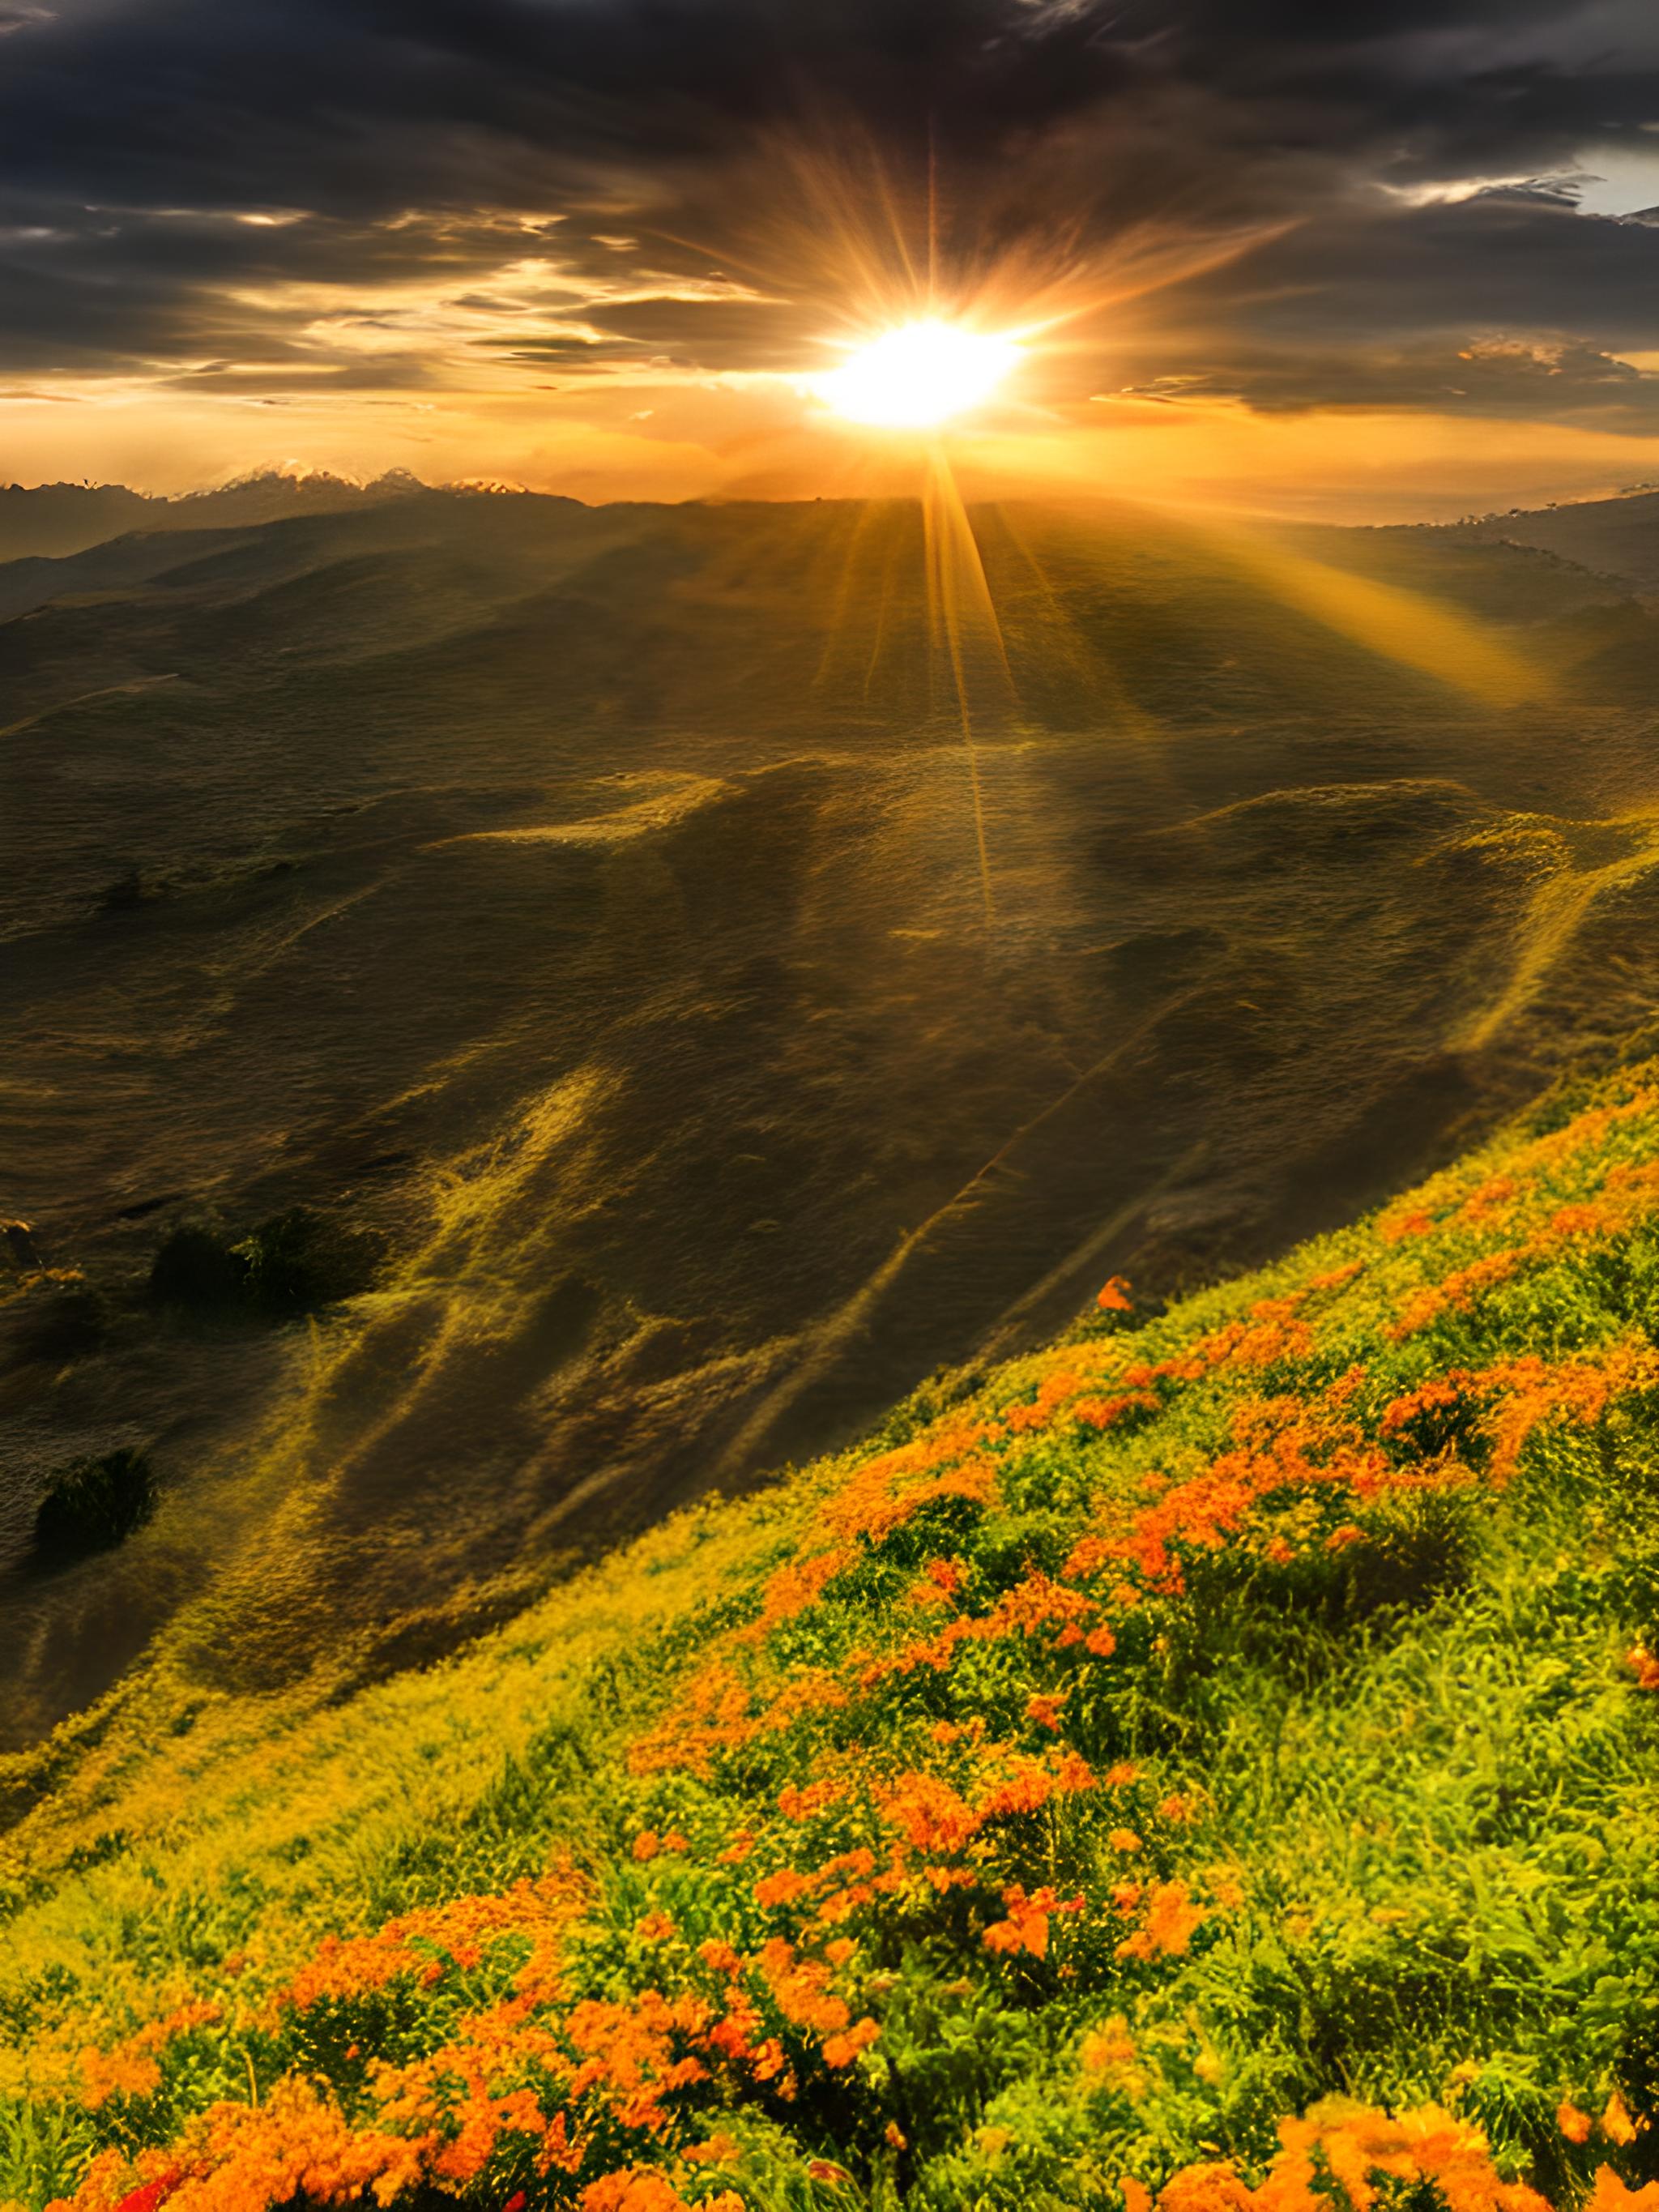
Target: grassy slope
1188	1726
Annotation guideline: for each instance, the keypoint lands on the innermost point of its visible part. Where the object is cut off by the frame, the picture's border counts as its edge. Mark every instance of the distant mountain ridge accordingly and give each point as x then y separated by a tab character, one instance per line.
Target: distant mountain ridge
52	520
1617	537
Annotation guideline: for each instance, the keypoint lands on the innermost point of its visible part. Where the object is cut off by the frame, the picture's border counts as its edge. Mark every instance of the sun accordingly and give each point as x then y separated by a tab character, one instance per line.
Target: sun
917	375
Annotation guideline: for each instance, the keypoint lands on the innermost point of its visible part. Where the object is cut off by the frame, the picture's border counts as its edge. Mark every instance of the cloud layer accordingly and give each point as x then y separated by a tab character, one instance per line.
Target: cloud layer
1288	206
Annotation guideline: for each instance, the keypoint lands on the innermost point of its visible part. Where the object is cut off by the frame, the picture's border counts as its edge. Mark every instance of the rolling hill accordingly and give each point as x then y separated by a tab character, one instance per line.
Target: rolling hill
583	910
1616	537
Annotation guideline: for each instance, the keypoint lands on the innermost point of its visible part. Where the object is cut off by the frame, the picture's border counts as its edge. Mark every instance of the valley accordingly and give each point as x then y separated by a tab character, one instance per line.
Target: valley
585	907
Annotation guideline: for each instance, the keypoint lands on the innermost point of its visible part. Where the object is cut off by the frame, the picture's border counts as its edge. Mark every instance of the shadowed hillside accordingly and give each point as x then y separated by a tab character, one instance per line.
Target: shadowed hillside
582	909
1615	536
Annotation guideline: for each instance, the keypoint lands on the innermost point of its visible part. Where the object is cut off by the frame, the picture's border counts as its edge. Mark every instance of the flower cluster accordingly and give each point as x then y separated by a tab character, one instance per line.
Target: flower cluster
937	1726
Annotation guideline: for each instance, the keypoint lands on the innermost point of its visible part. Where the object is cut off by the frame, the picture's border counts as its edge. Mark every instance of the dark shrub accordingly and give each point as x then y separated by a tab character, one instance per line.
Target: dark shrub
95	1504
194	1268
127	891
292	1264
301	1260
21	1248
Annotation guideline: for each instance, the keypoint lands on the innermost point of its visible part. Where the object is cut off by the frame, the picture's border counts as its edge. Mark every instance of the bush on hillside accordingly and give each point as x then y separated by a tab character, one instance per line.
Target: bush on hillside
95	1504
302	1260
293	1263
195	1269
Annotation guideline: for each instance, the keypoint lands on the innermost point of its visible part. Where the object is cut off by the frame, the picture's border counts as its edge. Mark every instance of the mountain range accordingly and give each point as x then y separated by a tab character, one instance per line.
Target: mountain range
51	521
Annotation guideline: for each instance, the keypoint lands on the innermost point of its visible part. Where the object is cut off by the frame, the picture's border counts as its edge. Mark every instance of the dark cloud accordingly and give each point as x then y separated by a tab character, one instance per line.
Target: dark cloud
206	190
1524	380
1511	261
1508	303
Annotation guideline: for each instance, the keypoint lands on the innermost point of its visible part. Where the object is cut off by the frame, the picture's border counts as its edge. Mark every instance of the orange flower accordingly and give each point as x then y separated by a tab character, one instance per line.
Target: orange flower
1610	2195
1532	1391
1455	1293
881	1495
1114	1296
715	2150
1105	1412
783	1887
1574	2125
1403	1225
927	1811
1424	2145
464	1930
640	2189
123	2073
793	1587
1026	1927
712	1713
1491	1194
1617	2125
841	2049
1439	1394
1110	2047
1167	1928
798	1804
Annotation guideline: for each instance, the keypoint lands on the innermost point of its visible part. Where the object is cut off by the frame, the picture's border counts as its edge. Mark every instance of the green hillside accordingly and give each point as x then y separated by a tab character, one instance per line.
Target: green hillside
1213	1759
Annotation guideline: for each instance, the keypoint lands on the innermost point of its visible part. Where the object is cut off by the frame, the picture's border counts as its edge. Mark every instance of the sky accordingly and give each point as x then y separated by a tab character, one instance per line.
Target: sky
1374	260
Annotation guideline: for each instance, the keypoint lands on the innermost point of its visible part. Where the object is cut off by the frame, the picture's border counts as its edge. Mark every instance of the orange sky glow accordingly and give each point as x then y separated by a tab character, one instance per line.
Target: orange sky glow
498	358
744	436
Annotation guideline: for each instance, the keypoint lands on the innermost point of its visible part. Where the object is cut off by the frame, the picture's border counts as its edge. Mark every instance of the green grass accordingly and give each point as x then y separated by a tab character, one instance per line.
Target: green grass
821	1848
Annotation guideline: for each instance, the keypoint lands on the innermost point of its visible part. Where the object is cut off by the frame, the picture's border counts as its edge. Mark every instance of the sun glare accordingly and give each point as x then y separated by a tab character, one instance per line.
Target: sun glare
919	375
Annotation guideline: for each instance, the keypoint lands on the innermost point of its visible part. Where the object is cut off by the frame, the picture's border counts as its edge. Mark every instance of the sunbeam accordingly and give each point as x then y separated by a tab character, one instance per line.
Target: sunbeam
963	620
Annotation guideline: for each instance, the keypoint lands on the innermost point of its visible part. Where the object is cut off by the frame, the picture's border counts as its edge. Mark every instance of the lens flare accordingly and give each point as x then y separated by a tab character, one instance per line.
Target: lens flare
917	375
